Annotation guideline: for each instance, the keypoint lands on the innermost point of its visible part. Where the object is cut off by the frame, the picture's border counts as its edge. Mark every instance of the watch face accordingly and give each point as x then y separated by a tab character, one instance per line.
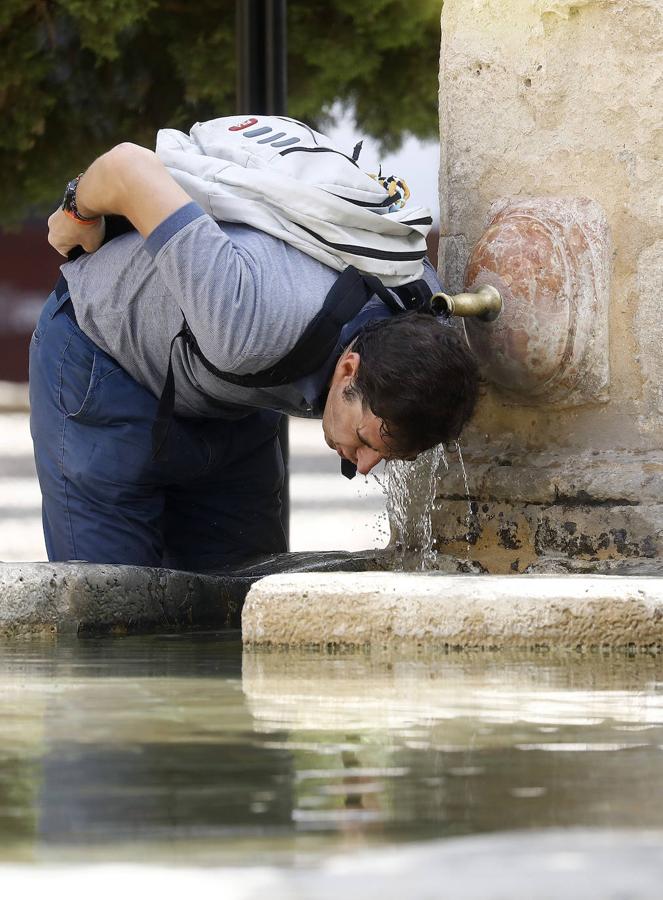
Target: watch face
69	201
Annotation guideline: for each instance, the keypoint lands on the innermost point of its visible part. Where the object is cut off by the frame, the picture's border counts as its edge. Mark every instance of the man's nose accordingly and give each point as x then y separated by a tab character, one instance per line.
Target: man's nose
367	459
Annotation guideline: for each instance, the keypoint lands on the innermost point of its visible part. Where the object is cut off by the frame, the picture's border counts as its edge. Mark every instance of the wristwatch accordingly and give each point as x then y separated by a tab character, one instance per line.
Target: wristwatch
70	207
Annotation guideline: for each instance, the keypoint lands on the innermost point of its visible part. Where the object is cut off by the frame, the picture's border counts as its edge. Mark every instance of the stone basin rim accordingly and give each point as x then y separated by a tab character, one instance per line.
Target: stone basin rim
492	612
339	608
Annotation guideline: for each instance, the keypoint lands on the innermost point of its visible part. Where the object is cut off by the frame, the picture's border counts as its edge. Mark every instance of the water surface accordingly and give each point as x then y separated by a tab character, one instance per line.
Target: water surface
183	750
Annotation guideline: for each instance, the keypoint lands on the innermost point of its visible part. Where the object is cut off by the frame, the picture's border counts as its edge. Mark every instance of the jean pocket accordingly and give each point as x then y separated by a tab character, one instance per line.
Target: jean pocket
82	370
50	308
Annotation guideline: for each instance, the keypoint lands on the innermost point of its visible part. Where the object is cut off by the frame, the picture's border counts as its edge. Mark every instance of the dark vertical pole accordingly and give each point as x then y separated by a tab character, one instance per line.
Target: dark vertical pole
250	63
276	56
262	87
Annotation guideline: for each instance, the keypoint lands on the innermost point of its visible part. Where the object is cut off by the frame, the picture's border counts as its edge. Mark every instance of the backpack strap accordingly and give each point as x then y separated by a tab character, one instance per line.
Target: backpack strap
161	423
346	298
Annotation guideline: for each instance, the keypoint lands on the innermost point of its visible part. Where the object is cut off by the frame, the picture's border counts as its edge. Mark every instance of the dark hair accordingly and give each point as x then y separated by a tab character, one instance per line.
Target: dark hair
418	375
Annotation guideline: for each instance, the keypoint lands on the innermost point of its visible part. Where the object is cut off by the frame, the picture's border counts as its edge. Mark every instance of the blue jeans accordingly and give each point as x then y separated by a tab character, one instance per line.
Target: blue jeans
212	498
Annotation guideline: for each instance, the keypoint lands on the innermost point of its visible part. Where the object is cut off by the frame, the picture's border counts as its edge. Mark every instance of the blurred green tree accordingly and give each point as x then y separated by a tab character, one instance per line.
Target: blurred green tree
77	76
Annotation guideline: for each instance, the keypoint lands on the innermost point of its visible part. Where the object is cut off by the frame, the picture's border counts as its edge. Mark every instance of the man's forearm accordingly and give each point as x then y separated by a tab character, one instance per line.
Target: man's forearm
130	181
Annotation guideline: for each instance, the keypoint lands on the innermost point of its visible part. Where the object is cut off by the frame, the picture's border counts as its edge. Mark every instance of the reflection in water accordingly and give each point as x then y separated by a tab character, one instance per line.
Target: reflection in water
464	741
180	749
132	741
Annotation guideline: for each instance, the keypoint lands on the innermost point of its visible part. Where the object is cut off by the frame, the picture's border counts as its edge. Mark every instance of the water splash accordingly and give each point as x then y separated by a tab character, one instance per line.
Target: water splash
410	488
428	555
412	485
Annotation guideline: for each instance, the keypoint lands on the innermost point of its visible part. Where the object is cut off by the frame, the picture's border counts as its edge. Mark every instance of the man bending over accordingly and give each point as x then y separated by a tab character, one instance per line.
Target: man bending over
209	494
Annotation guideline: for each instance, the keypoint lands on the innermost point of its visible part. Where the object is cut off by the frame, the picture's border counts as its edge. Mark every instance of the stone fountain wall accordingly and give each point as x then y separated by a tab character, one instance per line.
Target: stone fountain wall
551	115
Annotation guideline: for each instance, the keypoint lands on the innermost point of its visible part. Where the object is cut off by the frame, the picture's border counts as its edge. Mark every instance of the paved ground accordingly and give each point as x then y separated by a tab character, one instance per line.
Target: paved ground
328	511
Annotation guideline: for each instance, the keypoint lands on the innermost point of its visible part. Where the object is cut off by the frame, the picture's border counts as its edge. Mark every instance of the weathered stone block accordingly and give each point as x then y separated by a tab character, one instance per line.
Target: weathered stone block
507	537
43	598
461	612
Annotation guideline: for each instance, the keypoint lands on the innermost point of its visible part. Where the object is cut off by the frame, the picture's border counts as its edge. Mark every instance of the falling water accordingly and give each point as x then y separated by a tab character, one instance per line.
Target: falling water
468	521
409	483
411	486
467	486
396	480
437	456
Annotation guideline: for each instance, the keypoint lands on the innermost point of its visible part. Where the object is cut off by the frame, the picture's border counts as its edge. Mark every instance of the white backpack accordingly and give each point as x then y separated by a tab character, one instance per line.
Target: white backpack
282	177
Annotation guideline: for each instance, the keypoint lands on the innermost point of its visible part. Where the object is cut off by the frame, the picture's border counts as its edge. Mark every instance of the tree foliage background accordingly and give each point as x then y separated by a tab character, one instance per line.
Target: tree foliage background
77	76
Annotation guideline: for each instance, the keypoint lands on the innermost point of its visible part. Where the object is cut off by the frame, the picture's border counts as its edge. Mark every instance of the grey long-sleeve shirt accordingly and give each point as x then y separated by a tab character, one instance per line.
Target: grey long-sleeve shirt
246	296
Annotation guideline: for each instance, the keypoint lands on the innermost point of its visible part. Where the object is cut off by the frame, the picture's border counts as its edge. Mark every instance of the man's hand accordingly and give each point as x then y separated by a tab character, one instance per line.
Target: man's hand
129	181
64	233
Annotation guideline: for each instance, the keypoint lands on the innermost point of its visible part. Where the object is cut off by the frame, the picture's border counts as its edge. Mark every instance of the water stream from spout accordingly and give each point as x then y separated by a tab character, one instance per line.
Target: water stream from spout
410	488
428	555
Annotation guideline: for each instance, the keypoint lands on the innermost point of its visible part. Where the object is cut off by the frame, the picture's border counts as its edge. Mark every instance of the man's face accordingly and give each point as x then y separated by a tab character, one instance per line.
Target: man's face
348	428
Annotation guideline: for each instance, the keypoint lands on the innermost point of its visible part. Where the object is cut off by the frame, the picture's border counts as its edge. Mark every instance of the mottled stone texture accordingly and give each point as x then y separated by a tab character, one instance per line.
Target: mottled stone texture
57	598
550	259
557	99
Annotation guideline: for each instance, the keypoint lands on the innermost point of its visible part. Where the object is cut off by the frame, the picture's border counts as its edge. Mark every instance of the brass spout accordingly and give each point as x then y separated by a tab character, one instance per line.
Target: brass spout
485	304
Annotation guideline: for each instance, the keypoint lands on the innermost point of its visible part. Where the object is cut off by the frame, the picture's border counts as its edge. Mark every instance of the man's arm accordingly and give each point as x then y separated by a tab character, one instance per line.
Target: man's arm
215	286
129	181
238	323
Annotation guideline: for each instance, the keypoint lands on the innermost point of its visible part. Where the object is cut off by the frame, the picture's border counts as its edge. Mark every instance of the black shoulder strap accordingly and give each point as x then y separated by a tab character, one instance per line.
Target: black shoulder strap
347	297
161	423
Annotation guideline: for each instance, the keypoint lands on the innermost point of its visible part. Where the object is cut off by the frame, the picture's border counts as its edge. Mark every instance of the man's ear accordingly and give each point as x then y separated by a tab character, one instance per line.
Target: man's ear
349	364
345	370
